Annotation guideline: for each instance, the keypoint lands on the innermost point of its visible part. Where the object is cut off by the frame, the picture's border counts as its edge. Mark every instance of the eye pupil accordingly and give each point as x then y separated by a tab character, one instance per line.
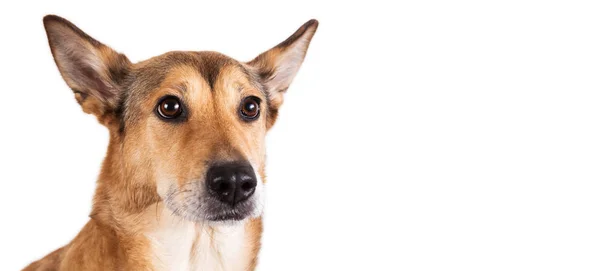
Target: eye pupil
250	108
169	108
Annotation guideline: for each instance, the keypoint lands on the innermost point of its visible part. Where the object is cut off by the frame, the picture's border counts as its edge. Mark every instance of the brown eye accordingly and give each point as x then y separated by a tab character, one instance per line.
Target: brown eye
169	107
250	108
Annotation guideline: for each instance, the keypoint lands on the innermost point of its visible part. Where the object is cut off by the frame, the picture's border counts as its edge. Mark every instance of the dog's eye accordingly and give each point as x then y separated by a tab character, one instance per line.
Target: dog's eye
169	107
250	108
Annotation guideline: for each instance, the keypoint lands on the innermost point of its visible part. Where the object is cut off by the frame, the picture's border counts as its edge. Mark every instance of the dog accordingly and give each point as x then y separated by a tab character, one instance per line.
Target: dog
182	183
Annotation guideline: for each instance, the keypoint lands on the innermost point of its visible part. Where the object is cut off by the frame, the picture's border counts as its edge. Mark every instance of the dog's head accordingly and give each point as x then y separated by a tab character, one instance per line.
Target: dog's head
189	125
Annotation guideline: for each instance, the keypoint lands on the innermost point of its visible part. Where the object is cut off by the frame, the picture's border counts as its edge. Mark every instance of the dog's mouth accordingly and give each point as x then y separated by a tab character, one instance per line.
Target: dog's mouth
227	217
216	210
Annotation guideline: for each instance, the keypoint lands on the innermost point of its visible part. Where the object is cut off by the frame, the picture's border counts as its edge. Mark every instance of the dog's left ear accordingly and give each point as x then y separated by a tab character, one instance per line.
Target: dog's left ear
278	66
92	70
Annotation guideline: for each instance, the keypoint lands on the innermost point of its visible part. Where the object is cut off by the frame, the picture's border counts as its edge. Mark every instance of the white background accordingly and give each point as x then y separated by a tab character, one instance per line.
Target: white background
424	135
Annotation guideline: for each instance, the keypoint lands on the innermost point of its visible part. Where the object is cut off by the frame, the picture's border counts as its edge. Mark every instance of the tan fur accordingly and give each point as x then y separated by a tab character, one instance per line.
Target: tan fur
148	158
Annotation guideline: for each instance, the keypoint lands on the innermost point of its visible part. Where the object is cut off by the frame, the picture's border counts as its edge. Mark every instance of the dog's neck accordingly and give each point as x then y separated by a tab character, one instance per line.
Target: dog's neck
134	212
176	244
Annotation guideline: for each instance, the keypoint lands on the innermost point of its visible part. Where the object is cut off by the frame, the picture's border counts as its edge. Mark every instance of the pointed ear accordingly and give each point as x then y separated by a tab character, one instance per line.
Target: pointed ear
92	70
278	66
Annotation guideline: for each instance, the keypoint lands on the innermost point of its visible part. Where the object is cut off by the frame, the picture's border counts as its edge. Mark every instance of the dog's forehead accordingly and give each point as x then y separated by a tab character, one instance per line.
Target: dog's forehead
150	74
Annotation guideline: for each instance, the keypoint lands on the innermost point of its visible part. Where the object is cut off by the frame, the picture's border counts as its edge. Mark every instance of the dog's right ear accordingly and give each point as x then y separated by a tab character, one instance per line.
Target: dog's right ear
92	70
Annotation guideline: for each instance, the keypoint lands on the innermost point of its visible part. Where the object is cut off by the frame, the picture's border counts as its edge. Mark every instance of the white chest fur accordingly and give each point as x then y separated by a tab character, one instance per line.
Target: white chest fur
177	244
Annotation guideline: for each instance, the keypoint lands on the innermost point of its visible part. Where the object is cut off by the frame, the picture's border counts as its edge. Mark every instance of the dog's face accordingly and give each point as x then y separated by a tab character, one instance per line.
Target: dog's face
199	125
189	125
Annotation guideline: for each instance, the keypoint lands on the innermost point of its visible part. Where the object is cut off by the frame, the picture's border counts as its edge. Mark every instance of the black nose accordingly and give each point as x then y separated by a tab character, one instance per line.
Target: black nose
231	182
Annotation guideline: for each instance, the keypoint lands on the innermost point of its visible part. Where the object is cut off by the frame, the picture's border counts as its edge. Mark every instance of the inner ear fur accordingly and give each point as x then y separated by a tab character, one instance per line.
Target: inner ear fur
94	71
277	67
